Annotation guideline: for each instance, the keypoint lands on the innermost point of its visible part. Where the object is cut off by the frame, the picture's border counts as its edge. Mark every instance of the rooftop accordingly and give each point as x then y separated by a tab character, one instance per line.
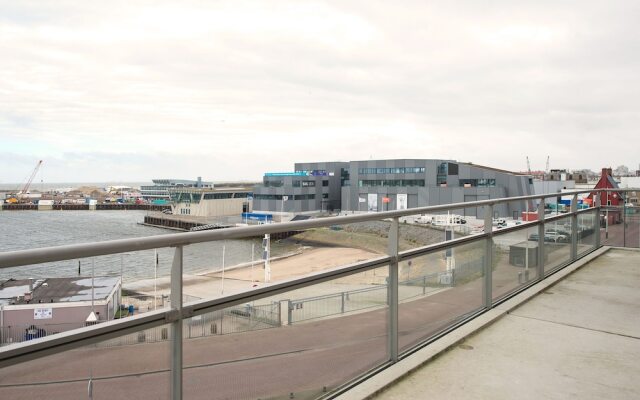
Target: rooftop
56	290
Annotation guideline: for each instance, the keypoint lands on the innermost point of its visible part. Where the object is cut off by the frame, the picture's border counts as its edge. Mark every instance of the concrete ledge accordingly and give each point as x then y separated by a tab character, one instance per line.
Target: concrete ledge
387	377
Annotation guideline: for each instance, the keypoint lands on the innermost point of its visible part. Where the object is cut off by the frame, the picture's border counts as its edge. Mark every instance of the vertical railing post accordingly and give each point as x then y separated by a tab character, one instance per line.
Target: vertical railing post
176	304
624	221
597	199
342	303
289	312
488	257
541	251
574	227
393	289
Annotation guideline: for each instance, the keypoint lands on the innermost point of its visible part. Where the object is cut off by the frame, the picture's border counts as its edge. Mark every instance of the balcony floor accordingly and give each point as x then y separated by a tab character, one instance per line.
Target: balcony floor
579	338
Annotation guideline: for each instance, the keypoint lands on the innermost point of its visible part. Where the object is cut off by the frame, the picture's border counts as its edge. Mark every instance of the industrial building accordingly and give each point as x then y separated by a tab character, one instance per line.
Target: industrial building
311	187
380	185
209	202
158	193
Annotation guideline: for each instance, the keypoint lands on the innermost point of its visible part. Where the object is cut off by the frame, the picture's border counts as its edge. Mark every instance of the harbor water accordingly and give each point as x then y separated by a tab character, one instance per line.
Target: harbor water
23	230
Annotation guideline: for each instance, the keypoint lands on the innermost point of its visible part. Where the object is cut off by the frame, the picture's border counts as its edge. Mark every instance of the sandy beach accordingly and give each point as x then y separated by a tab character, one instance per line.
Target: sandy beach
210	285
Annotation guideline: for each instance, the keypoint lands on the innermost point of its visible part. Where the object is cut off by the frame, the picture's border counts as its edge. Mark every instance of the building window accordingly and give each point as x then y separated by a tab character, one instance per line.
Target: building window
308	183
325	183
399	170
304	197
273	183
390	182
325	195
296	184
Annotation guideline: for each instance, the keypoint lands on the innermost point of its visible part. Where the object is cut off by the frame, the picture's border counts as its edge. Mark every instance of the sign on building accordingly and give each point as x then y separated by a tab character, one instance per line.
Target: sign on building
401	201
42	313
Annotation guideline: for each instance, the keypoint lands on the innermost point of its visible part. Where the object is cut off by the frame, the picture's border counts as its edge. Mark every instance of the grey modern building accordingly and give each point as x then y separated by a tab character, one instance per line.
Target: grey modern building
381	185
310	187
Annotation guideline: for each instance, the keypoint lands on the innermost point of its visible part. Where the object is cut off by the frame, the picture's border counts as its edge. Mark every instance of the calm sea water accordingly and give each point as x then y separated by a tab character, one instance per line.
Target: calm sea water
21	230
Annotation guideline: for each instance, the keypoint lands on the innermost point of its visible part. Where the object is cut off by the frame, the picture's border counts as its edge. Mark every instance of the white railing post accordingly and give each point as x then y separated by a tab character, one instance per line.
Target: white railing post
393	289
176	344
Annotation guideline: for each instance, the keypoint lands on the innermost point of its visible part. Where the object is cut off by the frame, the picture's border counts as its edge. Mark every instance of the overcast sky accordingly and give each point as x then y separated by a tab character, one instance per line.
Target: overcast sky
133	90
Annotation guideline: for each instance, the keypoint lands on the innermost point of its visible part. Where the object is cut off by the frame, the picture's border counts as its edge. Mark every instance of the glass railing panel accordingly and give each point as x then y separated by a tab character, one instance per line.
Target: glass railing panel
557	243
438	290
418	230
299	344
631	226
612	226
135	366
51	298
587	231
515	260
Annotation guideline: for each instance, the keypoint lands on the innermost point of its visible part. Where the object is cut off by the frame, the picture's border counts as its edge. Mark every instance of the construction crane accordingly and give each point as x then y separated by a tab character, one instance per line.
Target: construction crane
27	185
547	168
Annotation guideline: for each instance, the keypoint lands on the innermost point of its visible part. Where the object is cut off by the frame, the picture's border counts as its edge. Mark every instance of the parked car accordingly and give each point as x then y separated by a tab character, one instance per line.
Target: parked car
547	238
558	236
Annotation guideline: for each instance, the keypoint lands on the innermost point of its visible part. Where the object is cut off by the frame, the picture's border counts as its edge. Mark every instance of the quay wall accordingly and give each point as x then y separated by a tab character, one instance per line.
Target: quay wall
116	207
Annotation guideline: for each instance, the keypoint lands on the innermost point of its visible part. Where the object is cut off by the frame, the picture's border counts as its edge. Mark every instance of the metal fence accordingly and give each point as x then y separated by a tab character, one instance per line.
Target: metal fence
223	322
299	352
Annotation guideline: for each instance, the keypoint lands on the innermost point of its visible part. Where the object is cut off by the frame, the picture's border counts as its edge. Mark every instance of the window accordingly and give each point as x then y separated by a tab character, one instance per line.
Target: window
325	195
391	182
325	183
308	183
398	170
212	196
273	183
304	197
296	184
270	196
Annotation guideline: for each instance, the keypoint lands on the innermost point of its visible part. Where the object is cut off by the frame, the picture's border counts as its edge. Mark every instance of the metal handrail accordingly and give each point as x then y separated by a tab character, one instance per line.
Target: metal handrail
75	251
89	335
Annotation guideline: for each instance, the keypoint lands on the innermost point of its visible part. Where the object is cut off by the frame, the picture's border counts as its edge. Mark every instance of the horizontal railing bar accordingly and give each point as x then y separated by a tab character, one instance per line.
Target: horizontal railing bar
64	341
70	340
75	251
444	245
205	306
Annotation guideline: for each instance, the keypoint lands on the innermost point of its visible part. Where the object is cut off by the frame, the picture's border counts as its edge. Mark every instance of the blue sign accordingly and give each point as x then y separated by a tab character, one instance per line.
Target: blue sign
257	216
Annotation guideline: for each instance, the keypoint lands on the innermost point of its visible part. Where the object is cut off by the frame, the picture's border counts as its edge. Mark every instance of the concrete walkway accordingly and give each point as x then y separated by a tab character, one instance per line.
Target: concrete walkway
577	339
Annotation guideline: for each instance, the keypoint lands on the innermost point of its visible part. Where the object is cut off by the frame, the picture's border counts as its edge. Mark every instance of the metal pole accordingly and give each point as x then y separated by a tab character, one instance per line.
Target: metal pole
176	337
541	249
393	289
224	246
252	252
267	256
606	221
155	278
574	227
624	223
488	256
93	286
596	203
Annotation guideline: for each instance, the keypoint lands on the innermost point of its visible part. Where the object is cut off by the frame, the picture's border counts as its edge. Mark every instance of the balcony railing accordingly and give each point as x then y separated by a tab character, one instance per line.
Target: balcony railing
307	337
